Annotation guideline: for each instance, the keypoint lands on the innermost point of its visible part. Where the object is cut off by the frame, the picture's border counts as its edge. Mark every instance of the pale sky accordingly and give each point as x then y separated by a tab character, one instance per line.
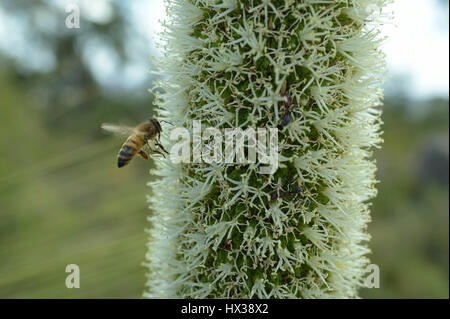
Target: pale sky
417	48
417	45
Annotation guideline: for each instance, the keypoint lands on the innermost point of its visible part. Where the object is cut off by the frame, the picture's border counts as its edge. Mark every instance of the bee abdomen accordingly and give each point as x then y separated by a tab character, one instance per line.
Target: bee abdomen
128	150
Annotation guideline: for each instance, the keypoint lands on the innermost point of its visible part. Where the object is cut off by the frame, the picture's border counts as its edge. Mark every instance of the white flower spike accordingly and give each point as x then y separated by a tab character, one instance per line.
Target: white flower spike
310	68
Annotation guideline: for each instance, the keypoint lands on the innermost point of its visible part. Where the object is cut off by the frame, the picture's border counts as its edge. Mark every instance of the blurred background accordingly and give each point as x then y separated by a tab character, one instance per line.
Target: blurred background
63	201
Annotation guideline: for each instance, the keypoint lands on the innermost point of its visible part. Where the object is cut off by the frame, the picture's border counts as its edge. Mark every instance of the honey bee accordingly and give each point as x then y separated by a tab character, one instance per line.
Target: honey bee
146	133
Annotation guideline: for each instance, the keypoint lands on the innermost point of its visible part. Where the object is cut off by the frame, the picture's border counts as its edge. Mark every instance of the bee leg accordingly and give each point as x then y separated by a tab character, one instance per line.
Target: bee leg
144	155
162	147
152	146
158	143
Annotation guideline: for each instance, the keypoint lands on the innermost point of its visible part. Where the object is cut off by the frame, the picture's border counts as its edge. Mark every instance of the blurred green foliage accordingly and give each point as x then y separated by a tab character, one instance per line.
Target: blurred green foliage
410	240
63	201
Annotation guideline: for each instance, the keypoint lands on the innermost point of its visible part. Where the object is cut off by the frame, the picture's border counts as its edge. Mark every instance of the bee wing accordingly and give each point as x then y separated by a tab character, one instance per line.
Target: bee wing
118	129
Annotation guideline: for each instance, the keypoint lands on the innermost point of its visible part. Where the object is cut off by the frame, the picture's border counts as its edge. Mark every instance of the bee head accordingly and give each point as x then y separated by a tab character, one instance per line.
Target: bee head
154	122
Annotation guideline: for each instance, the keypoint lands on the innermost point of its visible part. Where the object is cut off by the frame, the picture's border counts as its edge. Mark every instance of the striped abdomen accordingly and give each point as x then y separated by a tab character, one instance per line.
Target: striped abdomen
129	149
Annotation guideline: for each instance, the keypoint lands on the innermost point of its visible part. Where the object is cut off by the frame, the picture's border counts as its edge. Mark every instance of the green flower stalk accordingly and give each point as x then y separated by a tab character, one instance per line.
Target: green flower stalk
313	70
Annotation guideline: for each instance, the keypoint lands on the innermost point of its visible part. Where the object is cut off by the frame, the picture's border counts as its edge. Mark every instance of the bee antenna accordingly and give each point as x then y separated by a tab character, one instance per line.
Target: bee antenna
167	122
